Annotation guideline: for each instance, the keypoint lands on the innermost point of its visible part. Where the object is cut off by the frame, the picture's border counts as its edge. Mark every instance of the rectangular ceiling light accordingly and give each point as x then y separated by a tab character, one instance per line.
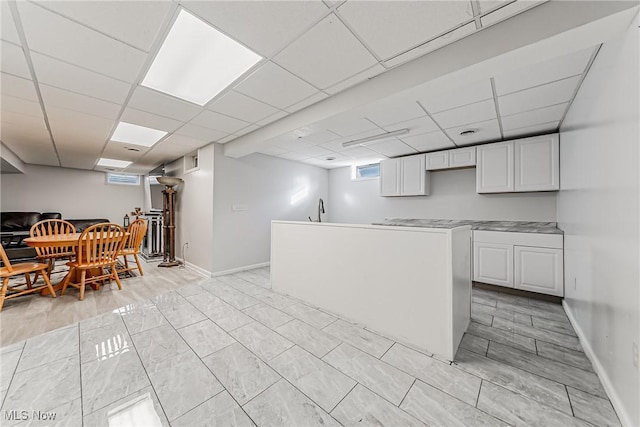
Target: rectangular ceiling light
375	137
137	135
196	61
113	163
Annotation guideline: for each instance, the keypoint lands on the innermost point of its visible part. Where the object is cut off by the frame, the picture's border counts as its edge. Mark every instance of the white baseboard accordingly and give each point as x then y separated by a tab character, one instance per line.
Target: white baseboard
236	270
625	419
201	271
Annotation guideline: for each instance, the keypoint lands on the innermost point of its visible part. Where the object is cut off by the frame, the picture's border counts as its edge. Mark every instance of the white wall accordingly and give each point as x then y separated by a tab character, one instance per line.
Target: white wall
453	195
270	188
73	192
194	210
598	210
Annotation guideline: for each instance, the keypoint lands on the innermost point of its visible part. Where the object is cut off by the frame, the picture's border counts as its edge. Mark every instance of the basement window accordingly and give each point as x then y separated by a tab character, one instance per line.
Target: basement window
123	179
363	172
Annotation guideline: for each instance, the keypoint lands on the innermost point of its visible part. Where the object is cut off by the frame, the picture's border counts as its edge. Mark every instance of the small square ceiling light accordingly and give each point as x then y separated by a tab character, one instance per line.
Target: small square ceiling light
137	135
196	61
113	163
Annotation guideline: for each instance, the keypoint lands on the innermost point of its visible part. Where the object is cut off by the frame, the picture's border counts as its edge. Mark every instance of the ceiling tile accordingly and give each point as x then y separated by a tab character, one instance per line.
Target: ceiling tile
437	99
226	139
320	137
532	130
66	76
509	10
534	117
292	144
487	131
122	151
361	153
471	113
392	27
545	72
8	30
13	60
350	127
32	146
416	126
315	151
153	121
134	22
18	87
61	38
272	118
293	156
264	26
200	132
54	97
24	121
186	141
336	145
242	107
151	101
306	102
219	122
354	80
385	113
487	5
21	106
275	86
246	130
539	96
434	44
326	54
391	148
71	128
428	141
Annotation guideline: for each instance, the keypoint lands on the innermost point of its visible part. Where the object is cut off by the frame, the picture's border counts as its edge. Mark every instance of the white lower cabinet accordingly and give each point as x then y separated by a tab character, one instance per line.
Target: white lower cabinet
493	263
539	270
528	261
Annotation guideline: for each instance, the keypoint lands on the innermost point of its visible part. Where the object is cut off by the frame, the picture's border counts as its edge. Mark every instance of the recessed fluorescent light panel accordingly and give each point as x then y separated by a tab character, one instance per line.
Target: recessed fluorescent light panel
196	61
137	135
113	163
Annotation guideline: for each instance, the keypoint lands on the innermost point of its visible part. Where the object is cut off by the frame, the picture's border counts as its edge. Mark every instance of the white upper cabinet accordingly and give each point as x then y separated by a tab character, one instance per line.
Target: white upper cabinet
437	160
494	171
537	166
413	176
405	176
449	159
529	164
462	157
390	177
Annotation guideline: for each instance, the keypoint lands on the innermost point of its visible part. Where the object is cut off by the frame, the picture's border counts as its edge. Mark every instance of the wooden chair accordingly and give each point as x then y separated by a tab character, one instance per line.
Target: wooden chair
51	227
98	248
26	268
137	230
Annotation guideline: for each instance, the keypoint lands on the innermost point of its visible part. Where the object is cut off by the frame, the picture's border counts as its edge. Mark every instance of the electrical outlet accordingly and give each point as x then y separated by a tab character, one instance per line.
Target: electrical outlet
575	283
186	244
634	354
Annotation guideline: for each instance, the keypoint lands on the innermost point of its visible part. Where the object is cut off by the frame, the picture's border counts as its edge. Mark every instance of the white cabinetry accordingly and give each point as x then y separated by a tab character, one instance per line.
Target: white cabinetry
494	172
529	164
537	165
527	261
449	159
405	176
494	263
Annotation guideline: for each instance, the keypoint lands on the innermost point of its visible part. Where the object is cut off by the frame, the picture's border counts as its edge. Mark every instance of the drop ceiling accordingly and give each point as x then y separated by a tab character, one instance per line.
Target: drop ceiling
71	70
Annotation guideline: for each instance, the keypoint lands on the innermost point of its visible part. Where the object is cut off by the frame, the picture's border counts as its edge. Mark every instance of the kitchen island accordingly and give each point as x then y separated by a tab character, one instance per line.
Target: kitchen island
412	284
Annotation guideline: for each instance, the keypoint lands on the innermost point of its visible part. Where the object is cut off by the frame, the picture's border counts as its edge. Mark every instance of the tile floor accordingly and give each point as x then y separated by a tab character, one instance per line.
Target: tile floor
229	351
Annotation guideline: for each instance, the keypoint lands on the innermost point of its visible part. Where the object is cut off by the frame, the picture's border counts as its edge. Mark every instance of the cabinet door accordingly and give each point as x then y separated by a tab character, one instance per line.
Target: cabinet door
390	177
439	160
413	176
462	157
493	263
494	172
539	270
537	163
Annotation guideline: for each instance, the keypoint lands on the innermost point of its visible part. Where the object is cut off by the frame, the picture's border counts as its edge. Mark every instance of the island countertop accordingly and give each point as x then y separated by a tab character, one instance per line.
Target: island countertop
508	226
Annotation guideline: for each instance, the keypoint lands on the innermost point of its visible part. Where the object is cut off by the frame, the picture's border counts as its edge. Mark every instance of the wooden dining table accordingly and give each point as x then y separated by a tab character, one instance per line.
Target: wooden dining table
56	241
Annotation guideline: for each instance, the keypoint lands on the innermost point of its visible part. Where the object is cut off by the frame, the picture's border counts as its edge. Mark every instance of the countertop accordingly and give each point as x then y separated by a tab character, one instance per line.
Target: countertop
510	226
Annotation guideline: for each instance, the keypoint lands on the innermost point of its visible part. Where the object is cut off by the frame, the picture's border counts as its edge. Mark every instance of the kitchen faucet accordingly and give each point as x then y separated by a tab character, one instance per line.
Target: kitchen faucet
320	210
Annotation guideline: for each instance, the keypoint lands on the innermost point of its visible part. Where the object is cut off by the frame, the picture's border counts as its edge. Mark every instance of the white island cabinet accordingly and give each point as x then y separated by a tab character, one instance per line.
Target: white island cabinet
410	284
527	261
